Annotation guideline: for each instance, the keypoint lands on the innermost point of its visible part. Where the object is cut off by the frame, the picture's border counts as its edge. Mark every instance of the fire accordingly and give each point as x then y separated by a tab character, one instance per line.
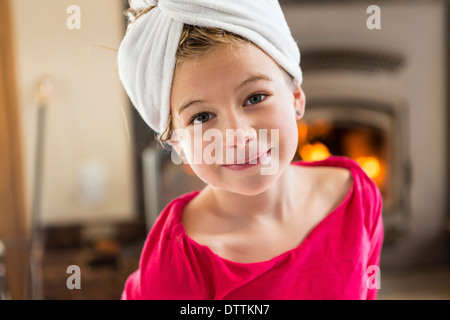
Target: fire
357	144
314	152
370	165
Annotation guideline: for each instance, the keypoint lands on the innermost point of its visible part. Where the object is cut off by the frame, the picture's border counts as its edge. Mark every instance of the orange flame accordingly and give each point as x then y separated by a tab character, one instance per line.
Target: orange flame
370	165
314	152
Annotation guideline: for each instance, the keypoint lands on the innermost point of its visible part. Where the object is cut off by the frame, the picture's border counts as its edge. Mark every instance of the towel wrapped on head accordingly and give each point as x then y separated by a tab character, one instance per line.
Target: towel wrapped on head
146	57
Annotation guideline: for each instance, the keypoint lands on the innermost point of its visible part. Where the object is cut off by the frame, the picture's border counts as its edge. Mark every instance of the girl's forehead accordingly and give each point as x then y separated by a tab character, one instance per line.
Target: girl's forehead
224	62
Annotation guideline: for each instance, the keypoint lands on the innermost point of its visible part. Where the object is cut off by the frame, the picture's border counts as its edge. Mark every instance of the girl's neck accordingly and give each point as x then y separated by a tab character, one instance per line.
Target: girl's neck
276	203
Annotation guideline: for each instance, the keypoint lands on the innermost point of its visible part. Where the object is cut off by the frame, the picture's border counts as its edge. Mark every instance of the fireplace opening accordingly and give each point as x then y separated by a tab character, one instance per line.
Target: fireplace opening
368	132
362	142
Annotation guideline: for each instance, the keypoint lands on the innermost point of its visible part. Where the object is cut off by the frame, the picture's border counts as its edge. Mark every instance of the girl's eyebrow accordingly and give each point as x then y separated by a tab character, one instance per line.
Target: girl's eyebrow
188	104
252	78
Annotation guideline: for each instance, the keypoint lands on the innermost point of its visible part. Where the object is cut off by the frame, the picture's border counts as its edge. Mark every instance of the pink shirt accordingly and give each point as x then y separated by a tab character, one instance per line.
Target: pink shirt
331	263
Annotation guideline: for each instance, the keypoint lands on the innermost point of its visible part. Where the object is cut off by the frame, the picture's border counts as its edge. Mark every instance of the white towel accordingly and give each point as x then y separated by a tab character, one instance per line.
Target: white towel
146	57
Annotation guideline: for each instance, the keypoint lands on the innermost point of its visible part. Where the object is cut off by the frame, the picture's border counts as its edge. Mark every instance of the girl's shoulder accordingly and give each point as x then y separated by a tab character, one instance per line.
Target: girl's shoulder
168	223
341	166
363	188
331	161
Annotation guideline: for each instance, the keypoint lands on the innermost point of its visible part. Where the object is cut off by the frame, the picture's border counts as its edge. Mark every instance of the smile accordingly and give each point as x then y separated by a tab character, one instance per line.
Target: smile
247	164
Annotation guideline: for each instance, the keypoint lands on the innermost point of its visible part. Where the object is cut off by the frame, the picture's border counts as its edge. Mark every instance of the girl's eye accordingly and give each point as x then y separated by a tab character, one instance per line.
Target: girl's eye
254	99
200	118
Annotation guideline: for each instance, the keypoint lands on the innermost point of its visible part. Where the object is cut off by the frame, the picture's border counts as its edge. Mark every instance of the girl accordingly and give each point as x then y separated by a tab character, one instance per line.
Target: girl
307	230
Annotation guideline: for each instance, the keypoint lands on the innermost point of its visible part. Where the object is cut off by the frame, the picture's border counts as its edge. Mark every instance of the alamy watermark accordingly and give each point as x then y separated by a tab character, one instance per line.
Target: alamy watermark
372	282
374	279
221	149
73	281
374	21
73	21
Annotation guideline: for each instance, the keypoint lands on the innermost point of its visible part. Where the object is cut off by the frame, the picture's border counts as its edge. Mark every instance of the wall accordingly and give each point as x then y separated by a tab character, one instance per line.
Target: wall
87	115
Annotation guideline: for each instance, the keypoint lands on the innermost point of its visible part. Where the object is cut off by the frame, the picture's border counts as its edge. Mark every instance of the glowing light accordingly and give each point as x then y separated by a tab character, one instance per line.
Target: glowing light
314	152
370	165
302	128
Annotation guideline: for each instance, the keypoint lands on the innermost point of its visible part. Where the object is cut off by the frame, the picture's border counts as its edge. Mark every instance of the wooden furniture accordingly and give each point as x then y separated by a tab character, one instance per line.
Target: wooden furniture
104	263
101	277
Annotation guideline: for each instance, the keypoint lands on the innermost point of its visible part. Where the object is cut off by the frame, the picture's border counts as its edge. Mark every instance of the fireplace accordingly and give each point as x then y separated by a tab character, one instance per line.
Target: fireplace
371	133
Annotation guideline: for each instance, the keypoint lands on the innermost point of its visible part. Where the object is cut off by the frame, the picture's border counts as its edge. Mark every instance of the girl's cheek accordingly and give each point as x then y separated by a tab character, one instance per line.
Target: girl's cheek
194	151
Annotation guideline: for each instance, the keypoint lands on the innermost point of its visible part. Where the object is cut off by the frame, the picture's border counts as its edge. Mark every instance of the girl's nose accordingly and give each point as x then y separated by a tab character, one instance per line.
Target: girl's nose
240	137
238	130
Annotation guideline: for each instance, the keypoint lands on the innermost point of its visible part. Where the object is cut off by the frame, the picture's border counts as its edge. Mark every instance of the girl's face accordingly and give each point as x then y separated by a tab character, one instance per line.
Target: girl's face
243	99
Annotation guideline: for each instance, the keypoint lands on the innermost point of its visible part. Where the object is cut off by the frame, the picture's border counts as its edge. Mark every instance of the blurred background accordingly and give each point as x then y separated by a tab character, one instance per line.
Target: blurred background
82	178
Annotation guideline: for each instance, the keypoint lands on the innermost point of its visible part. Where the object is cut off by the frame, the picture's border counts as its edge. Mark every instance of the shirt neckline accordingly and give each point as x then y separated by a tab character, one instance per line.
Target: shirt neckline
188	197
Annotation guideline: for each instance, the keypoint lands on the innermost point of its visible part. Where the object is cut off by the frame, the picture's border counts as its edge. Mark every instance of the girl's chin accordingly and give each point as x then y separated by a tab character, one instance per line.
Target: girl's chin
247	187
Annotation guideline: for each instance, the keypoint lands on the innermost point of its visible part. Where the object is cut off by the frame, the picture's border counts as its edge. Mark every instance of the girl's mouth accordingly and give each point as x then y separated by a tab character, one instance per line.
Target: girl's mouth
251	163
